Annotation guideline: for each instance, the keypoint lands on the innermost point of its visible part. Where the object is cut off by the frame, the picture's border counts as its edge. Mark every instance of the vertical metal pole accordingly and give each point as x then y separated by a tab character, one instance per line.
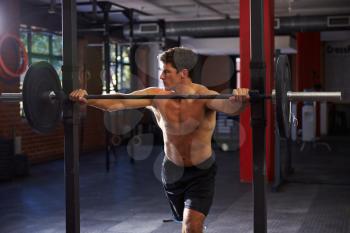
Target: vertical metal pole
106	6
106	46
121	73
258	118
71	116
116	68
30	44
289	165
50	47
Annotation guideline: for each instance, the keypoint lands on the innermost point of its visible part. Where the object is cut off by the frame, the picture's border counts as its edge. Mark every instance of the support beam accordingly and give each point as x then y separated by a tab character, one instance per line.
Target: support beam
258	118
71	116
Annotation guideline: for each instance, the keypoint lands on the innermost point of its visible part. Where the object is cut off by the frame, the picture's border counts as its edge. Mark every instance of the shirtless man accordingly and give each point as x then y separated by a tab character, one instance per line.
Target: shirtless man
189	168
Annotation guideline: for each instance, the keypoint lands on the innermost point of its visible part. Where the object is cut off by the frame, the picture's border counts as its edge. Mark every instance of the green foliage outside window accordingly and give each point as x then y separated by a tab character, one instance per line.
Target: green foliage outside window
113	53
40	43
57	45
125	54
120	67
126	77
44	46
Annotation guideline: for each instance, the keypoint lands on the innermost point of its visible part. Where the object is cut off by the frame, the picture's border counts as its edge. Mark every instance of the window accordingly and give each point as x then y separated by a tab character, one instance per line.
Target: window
123	68
57	45
41	45
120	68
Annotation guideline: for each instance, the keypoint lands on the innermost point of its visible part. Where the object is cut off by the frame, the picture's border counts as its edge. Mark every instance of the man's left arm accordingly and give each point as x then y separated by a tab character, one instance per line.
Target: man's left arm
232	106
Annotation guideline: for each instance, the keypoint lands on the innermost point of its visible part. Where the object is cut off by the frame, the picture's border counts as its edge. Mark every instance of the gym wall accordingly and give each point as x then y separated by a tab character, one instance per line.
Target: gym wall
41	148
337	70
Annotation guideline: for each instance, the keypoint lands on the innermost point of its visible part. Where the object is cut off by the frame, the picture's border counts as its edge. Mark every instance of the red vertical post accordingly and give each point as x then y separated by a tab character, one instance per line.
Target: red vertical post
308	60
308	64
245	133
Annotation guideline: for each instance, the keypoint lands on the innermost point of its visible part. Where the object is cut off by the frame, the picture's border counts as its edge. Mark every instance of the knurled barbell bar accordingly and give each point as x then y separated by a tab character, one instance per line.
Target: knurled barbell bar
291	96
43	96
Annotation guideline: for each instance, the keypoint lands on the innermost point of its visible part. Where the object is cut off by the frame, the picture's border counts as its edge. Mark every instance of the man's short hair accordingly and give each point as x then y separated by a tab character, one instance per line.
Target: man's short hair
180	58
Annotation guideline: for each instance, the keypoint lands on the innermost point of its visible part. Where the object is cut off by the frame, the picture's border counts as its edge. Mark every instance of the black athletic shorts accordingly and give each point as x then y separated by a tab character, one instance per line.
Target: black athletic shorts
189	187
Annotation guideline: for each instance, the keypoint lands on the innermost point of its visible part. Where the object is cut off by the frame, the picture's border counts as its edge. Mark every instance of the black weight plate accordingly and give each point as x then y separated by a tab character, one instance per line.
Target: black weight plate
282	86
41	113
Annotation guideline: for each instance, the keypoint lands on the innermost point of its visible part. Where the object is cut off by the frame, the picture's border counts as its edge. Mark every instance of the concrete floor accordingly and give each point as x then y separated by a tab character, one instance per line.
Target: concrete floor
129	199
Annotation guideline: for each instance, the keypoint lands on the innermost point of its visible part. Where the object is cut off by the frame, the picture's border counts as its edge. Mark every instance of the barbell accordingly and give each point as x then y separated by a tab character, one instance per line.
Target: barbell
43	97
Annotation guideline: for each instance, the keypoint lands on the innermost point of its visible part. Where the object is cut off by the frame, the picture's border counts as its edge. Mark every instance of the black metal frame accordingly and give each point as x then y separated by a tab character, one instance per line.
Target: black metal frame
106	7
71	116
258	118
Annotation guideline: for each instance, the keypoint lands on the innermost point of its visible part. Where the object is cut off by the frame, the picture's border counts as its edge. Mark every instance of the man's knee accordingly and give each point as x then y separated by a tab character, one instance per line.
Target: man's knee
192	227
193	221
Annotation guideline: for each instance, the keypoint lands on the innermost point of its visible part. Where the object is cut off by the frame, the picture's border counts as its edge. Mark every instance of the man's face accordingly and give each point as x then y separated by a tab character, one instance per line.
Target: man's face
170	76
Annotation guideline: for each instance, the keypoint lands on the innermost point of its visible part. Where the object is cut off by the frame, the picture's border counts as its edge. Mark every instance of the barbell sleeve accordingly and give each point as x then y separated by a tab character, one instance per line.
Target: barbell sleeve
11	97
314	96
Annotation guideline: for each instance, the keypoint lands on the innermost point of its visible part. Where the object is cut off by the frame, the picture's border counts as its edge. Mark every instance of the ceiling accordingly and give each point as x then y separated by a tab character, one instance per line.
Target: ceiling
171	10
180	10
196	13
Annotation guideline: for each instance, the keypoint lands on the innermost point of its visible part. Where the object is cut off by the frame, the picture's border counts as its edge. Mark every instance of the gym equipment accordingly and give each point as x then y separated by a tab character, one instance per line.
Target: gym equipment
43	97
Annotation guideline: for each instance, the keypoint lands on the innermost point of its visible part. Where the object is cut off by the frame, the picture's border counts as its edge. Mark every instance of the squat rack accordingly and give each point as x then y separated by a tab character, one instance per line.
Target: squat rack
71	116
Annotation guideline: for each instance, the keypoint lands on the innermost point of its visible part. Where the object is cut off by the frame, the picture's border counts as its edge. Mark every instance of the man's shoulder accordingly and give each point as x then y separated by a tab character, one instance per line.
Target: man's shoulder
203	90
155	91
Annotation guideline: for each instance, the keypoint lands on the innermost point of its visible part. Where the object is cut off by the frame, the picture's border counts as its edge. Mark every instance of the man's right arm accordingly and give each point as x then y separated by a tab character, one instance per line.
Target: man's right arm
232	106
116	104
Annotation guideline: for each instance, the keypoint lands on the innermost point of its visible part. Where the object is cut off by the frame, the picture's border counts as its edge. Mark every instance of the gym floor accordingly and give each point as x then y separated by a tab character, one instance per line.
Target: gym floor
129	199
